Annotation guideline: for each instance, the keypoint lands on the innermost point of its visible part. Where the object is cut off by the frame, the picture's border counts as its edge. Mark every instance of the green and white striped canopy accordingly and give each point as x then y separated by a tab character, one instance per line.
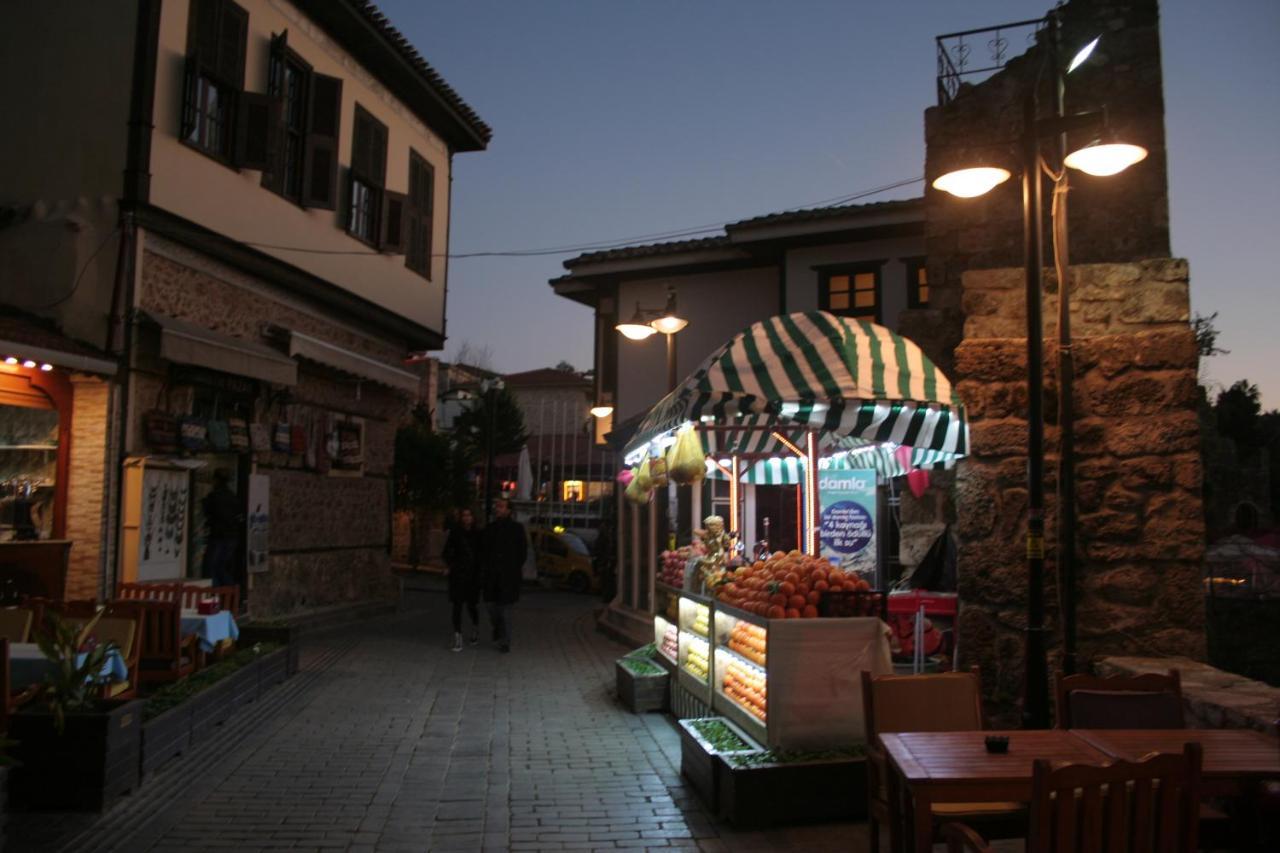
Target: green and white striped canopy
853	381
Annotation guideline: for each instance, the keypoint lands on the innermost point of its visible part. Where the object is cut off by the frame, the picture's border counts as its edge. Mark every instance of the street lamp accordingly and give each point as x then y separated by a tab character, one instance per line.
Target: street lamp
1097	159
648	321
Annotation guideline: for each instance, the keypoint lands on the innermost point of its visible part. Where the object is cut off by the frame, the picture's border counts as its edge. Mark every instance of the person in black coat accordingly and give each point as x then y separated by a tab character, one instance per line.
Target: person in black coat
505	549
462	557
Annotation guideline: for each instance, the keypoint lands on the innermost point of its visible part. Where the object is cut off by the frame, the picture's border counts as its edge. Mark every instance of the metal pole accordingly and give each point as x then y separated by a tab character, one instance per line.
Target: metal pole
673	494
491	397
671	363
1035	707
1066	539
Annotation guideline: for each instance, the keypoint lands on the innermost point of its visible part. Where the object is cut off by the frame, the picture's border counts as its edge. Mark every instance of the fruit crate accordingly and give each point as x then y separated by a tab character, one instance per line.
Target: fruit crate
641	692
694	662
810	673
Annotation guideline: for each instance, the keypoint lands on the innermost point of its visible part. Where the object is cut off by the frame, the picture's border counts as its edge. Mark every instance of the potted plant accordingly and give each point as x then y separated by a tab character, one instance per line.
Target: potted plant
776	786
702	741
642	684
74	749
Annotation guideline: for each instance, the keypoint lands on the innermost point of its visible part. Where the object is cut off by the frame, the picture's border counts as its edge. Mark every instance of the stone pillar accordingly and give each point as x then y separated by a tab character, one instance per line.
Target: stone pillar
87	483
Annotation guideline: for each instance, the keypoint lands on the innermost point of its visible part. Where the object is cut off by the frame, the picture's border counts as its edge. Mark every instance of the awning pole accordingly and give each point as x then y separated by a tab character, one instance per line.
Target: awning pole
734	473
811	489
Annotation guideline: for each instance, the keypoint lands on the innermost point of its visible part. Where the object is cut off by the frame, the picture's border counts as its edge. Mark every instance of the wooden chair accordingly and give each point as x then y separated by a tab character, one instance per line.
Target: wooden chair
164	654
1150	701
121	623
945	702
228	597
1139	806
149	592
15	624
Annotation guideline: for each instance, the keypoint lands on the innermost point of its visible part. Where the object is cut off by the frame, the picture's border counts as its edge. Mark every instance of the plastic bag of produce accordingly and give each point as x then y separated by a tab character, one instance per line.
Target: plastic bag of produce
643	477
685	462
635	493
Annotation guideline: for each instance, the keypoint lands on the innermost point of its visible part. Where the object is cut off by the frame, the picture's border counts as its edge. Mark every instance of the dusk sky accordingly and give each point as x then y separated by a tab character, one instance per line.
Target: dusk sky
616	120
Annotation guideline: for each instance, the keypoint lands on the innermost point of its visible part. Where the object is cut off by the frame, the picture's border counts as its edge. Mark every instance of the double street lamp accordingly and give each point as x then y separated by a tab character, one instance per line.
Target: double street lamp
1102	157
649	321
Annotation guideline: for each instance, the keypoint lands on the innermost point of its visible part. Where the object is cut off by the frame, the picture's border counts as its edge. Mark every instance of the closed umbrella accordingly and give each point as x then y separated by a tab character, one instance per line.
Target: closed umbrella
524	479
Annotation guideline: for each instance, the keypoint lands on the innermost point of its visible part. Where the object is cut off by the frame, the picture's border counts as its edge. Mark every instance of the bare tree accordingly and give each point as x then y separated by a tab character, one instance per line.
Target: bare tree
474	355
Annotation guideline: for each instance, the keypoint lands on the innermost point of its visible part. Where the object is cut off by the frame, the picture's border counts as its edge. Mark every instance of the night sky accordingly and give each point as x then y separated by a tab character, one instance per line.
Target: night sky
616	119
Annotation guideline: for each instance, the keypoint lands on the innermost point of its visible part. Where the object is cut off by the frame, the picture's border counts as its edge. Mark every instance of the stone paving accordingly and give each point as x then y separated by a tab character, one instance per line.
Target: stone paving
391	742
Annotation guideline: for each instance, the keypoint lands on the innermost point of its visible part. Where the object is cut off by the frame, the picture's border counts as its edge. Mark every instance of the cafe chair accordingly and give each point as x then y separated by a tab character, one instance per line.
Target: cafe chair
15	624
942	702
1138	806
149	592
120	624
1149	701
165	655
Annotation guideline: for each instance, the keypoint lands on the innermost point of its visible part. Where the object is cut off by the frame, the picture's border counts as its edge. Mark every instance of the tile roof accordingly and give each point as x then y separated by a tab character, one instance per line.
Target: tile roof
370	12
813	214
648	250
544	377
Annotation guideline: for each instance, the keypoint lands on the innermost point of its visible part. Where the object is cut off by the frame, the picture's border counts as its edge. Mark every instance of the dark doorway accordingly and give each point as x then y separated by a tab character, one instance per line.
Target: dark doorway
778	504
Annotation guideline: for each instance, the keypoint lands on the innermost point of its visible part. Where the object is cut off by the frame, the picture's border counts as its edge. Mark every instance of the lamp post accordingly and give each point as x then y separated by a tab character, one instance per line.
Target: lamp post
1096	159
490	388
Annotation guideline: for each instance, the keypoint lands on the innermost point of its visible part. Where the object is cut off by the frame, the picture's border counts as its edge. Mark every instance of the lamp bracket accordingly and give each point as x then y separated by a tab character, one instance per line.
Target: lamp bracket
1055	125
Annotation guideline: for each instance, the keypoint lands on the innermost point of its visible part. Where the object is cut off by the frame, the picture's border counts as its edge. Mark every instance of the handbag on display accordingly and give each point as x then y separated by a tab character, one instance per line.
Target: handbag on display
297	439
219	435
161	430
280	437
260	437
194	434
238	434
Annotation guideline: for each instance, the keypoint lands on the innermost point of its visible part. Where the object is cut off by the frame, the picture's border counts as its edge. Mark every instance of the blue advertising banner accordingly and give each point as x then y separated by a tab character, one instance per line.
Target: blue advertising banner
847	520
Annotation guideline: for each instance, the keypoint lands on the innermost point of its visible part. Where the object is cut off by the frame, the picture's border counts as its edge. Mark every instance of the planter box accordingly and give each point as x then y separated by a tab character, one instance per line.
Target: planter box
211	708
641	693
273	669
699	759
286	635
85	769
165	736
800	792
244	685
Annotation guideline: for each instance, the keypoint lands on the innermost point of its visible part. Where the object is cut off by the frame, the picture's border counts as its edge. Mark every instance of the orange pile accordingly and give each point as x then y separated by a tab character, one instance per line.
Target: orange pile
786	586
749	641
746	687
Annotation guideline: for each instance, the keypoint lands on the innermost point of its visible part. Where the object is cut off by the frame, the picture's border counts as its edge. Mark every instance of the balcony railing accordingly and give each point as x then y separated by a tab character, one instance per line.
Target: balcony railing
957	62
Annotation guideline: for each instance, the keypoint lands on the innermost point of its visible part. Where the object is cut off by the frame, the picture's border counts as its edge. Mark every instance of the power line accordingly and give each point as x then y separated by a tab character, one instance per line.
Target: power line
604	245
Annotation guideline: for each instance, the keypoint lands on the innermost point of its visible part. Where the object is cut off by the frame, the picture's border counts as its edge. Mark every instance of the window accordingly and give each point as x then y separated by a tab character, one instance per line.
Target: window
418	215
298	148
917	283
368	172
572	491
216	34
850	291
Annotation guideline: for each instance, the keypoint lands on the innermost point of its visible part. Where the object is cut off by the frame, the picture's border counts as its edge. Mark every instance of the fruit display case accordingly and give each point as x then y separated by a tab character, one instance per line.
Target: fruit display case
666	623
795	683
695	622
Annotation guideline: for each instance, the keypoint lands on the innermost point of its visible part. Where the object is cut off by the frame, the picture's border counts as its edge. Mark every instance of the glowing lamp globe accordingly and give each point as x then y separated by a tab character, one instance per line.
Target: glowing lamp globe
970	183
1106	159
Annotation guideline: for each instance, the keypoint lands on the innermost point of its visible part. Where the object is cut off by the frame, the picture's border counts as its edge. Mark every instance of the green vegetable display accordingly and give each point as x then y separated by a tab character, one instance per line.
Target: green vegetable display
720	736
784	756
639	666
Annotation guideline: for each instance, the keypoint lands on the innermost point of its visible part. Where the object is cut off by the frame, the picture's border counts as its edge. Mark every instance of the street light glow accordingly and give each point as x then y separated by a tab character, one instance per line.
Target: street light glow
668	325
636	331
1104	160
969	183
601	411
1084	53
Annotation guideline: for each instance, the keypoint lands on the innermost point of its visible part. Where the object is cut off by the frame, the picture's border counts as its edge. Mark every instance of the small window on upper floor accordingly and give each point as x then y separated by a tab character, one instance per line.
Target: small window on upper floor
367	176
418	215
217	31
917	283
850	291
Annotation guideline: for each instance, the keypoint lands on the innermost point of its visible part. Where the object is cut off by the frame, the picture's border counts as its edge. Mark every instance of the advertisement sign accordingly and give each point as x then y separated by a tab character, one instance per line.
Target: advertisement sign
847	520
258	521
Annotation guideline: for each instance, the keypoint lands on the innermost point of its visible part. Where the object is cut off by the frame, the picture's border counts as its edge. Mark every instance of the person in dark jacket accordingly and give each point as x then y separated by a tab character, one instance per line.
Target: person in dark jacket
505	549
462	557
223	515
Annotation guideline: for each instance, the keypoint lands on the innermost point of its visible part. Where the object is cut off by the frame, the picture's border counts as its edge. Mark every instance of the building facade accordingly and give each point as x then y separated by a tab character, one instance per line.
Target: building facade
264	279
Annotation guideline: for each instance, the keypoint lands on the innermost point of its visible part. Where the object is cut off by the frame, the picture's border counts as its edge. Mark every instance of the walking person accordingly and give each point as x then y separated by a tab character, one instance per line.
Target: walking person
462	557
505	550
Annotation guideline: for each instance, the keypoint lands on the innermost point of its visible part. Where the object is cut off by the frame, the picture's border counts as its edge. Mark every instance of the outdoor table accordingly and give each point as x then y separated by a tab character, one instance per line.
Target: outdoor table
211	628
28	665
1233	759
955	767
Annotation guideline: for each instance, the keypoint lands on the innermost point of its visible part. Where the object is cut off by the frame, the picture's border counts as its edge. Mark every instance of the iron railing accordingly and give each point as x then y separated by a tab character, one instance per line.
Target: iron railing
956	63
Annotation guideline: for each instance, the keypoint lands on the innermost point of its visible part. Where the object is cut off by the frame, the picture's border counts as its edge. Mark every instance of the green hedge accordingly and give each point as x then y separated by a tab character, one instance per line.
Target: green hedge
172	695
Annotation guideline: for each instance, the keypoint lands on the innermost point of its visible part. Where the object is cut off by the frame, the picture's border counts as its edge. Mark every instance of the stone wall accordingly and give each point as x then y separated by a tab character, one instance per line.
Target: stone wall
1140	518
87	494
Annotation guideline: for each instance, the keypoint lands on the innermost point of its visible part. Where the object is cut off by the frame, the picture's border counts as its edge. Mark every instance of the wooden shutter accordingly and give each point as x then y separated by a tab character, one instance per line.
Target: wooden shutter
320	160
273	176
233	33
427	204
202	32
258	116
394	206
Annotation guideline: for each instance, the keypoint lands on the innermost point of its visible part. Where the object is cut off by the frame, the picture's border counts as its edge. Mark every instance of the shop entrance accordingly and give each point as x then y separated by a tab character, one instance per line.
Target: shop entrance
779	505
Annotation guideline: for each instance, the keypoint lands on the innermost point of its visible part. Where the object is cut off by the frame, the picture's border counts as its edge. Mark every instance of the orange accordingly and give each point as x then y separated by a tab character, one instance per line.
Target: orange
776	612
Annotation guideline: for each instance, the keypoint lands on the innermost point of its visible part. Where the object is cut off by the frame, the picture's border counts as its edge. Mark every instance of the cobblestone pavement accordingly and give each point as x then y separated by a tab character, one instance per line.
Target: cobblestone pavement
391	742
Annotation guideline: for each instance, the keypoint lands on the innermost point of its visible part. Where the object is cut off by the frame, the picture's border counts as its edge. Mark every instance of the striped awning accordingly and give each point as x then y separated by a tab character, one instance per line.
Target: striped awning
853	381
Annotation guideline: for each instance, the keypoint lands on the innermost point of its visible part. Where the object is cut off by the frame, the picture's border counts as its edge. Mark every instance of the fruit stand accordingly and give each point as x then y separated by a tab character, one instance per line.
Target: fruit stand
779	644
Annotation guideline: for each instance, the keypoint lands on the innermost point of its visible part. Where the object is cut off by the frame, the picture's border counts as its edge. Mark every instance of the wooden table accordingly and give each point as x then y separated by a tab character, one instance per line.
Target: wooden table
1234	759
955	767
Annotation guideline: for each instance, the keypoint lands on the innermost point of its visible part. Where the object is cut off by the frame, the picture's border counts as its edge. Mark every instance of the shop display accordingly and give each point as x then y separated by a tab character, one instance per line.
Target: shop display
746	686
672	569
696	661
701	621
718	549
749	641
669	645
786	586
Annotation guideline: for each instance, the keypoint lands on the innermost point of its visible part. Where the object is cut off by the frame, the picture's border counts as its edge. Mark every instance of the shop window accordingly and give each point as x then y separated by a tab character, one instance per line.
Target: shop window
35	412
419	215
850	291
217	32
572	490
365	182
917	283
